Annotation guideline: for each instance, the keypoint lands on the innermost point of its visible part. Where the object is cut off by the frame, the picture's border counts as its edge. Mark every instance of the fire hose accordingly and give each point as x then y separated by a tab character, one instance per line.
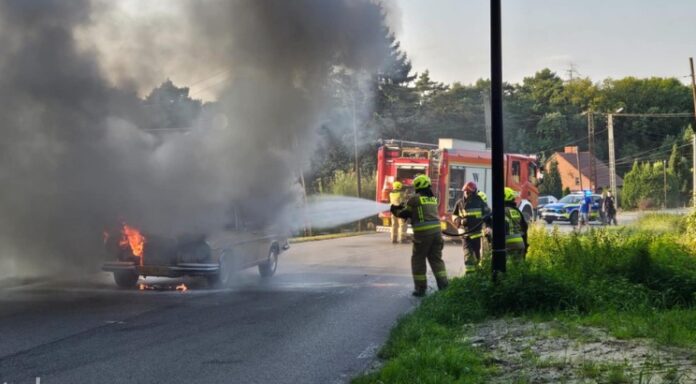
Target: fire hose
475	229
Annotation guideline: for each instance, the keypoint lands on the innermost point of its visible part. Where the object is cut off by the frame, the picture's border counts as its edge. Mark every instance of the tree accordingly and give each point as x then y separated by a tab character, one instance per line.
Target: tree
169	106
644	186
552	184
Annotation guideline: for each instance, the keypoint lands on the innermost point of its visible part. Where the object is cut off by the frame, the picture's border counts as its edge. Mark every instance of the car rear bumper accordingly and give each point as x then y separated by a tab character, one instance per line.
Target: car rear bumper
192	269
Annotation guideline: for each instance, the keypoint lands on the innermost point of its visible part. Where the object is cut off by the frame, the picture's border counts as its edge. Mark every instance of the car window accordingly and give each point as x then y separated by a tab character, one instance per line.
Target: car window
543	200
570	199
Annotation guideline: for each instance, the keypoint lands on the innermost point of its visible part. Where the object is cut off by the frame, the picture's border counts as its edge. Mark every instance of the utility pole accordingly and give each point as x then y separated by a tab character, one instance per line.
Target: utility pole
612	158
664	182
355	148
497	153
577	161
693	136
591	145
487	116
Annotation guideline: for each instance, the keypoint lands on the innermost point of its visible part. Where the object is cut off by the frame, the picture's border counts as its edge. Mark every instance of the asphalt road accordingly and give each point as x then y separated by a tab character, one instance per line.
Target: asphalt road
321	319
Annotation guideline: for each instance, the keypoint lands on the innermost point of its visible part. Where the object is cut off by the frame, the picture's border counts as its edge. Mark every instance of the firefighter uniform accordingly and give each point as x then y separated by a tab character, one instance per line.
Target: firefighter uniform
515	226
398	225
470	212
421	209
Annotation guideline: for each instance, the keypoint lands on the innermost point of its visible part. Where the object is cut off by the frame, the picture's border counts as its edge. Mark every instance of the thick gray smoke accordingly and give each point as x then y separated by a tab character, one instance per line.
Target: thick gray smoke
73	160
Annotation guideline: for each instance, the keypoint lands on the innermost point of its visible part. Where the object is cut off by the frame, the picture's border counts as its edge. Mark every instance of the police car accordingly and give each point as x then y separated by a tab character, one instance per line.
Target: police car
568	209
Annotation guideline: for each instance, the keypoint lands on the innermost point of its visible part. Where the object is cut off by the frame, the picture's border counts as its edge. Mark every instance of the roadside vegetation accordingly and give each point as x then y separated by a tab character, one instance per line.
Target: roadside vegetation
636	282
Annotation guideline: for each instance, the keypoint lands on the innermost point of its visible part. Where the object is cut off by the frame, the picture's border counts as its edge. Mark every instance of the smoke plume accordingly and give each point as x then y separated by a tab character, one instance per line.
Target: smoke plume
74	161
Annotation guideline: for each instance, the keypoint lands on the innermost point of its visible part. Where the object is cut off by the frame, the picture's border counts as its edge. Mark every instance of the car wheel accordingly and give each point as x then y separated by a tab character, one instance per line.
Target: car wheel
126	279
268	268
548	220
574	218
224	276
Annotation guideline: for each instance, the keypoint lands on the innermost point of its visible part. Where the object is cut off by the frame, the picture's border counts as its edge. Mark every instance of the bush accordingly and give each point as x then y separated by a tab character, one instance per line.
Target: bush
635	282
345	184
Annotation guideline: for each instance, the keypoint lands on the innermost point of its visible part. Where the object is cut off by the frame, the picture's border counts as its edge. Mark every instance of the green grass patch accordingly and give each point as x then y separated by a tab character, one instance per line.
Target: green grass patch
636	282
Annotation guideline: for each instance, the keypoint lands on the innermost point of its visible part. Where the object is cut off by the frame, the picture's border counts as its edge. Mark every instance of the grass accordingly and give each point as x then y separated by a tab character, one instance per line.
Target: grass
634	282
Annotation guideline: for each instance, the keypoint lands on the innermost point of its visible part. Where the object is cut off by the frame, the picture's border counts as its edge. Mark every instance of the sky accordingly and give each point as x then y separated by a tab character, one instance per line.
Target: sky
599	38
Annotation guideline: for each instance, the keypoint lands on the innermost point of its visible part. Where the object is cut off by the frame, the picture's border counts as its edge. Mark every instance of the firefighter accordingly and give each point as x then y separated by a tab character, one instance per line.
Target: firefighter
470	212
421	209
516	226
398	225
486	238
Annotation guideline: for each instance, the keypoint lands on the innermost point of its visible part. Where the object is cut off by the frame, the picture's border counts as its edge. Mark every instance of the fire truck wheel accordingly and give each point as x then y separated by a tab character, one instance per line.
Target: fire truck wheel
268	268
126	279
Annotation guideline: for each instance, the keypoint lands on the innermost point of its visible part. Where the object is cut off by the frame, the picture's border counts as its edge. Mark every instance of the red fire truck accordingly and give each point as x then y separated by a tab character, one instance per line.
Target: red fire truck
450	165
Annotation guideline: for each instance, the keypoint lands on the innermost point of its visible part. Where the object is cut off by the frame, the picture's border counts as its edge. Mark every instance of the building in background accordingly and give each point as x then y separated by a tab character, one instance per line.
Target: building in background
575	169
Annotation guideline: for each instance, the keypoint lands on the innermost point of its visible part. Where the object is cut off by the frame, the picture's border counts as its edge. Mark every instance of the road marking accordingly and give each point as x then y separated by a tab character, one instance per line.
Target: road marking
369	352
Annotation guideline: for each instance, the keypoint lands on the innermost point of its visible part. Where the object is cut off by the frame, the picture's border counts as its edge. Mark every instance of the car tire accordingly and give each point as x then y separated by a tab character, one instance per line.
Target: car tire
225	272
548	220
574	218
126	279
268	268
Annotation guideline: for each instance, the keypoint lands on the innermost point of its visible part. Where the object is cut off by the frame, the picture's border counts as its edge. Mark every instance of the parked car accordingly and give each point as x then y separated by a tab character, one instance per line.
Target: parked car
568	209
216	256
542	202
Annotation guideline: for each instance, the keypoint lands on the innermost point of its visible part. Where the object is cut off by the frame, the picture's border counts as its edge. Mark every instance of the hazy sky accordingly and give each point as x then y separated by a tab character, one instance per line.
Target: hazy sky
601	38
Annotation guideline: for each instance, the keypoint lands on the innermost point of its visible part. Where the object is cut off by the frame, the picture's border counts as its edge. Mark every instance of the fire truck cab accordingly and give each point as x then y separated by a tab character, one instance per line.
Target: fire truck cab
451	164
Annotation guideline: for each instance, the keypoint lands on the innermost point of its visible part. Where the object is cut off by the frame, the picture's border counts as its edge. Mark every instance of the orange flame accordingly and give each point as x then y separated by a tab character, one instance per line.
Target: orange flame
181	287
133	239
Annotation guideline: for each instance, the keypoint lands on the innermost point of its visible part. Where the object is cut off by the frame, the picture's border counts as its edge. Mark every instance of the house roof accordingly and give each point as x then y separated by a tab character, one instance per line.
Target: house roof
585	168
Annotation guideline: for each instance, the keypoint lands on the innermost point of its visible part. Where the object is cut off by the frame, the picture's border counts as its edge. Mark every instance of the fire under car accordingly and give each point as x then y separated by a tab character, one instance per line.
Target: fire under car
216	256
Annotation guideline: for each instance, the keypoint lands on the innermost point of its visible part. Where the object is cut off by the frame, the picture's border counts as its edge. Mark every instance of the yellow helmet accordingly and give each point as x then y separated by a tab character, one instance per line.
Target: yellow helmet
421	182
483	196
397	186
510	195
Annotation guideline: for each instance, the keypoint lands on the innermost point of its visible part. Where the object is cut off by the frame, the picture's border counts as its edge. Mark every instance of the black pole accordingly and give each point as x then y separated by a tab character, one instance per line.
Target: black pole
498	161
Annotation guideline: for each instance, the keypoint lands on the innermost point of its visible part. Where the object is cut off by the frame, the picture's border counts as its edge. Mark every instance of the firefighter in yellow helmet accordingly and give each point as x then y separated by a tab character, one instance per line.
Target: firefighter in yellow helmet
515	225
398	225
421	209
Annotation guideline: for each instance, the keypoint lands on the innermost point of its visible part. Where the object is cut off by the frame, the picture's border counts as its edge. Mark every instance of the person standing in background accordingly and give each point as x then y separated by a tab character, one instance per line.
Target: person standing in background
398	225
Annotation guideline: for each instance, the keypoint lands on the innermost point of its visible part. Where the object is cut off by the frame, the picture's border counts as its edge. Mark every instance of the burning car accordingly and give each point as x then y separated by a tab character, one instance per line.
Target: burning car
216	256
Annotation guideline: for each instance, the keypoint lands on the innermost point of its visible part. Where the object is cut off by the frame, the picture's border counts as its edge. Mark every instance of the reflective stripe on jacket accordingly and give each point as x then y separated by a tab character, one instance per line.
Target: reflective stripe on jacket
423	215
473	210
513	229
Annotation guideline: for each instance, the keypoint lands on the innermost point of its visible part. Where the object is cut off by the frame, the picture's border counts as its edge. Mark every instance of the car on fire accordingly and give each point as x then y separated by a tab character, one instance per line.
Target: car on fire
216	256
568	209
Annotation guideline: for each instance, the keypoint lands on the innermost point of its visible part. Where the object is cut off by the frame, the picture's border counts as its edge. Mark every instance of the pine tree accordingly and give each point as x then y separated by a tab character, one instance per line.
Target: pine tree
552	184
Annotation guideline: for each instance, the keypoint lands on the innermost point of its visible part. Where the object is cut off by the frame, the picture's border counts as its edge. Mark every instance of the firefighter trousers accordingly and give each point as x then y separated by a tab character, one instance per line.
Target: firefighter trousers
398	230
472	250
428	247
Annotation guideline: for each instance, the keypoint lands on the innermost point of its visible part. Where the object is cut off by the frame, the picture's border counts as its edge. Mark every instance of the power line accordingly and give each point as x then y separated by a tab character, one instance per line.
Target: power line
649	155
